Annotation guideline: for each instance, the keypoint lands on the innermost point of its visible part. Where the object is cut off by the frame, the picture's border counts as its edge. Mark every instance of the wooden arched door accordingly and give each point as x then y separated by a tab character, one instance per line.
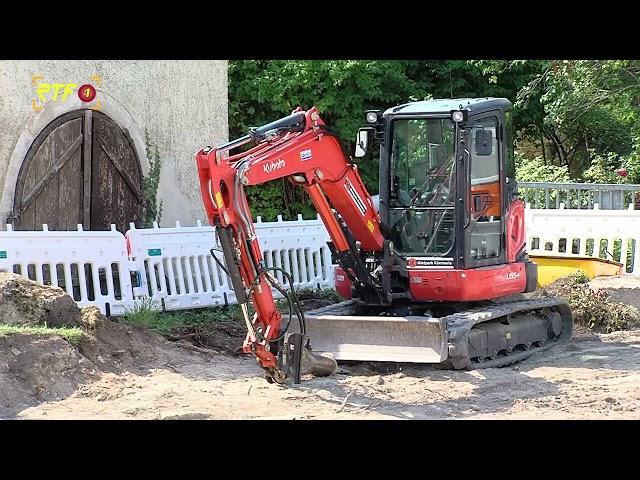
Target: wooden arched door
81	169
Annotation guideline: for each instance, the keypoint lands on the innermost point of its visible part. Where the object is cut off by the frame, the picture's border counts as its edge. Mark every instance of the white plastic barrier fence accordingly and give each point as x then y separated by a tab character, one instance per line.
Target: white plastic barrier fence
92	267
610	234
300	248
176	267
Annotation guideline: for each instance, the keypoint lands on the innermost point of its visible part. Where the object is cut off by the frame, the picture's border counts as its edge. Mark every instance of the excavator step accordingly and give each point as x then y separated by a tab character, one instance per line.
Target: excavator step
489	335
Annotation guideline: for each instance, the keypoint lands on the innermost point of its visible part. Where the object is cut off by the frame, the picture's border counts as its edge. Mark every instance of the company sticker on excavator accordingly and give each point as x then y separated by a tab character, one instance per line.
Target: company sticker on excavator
273	166
426	262
219	201
305	155
370	226
355	197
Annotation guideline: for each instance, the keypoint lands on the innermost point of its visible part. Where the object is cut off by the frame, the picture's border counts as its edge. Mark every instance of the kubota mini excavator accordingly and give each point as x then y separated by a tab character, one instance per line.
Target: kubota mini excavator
432	270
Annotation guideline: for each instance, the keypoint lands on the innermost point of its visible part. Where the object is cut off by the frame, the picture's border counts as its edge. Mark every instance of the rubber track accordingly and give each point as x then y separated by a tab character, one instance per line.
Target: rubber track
460	324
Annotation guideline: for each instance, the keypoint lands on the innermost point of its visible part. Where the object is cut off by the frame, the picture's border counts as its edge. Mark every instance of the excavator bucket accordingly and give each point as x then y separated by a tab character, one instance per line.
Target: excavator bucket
411	339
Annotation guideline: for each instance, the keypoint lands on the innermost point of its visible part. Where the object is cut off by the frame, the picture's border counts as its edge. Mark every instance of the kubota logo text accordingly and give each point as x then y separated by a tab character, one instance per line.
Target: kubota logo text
273	166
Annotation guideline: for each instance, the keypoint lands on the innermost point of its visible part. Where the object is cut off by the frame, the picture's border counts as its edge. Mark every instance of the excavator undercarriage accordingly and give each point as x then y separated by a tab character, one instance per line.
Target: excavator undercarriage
465	336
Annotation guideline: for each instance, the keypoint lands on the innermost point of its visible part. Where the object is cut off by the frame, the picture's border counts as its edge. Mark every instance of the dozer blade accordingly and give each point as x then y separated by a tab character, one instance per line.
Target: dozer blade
381	339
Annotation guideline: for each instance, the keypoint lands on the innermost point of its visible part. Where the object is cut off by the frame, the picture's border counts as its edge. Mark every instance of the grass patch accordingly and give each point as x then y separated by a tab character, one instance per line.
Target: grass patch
142	314
167	323
214	326
73	335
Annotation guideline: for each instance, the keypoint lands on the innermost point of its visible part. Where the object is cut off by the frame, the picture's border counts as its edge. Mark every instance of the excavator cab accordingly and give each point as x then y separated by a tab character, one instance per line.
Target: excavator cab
446	197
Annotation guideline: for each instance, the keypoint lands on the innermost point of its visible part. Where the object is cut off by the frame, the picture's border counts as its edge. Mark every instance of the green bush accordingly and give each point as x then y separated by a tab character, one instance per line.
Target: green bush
603	169
262	91
535	170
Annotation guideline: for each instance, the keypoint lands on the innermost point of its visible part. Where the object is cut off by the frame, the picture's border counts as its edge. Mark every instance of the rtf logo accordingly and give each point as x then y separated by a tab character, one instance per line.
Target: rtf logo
60	92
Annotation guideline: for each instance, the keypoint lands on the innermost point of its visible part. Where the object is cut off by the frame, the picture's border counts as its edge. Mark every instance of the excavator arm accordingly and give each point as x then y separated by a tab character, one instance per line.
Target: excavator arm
302	149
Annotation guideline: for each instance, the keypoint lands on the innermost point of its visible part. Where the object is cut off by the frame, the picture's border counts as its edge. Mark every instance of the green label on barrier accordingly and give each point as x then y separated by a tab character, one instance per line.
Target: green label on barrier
154	252
3	254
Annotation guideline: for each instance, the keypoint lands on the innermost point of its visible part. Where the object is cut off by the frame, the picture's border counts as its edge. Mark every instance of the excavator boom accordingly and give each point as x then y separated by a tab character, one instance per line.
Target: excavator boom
301	148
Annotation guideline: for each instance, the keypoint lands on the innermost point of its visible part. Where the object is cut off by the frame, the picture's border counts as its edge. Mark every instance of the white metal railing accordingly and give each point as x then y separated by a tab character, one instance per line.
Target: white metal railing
609	196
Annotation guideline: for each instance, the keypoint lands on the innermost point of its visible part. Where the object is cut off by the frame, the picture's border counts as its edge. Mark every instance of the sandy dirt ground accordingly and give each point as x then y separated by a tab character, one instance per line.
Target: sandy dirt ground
593	377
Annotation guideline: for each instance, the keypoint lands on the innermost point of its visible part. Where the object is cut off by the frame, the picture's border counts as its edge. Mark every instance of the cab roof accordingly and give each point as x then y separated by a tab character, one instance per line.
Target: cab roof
448	104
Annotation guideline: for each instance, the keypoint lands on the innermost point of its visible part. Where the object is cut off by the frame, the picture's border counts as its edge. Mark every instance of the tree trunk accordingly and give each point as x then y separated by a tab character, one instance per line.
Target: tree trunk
544	153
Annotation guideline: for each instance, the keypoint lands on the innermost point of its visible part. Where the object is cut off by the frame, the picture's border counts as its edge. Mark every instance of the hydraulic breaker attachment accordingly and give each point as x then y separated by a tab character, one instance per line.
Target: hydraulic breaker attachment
297	359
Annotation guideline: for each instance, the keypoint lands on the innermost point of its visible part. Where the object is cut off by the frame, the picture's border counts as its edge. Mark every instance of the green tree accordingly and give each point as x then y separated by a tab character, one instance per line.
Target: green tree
261	91
590	109
581	115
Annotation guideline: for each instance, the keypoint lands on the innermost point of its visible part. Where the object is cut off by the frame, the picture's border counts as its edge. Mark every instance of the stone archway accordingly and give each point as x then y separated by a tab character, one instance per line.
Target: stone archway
37	122
82	168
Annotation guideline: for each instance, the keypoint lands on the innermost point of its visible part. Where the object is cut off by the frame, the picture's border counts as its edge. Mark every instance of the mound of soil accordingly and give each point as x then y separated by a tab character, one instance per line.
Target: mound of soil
224	337
25	302
115	346
39	368
42	368
119	371
623	288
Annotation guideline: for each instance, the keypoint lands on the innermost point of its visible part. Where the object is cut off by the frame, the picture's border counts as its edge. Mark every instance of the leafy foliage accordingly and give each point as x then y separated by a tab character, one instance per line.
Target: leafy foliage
261	91
590	107
603	169
592	308
152	210
537	171
580	116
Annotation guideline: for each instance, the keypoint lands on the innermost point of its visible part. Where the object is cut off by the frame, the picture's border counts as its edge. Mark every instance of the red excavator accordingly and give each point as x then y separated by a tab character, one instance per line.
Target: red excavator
432	270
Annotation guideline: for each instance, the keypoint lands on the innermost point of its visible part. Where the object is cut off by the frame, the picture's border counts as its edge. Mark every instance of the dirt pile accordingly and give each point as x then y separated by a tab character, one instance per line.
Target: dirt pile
118	371
25	302
623	288
226	337
45	367
39	368
114	346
